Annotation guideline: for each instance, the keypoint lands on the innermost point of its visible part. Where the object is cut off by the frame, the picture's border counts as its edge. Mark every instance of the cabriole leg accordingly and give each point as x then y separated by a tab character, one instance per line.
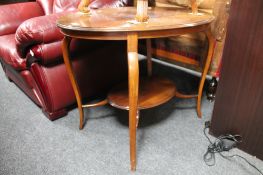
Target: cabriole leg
133	71
65	50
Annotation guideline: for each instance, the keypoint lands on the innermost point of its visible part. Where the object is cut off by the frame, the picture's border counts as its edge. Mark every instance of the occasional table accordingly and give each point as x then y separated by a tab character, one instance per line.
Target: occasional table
119	24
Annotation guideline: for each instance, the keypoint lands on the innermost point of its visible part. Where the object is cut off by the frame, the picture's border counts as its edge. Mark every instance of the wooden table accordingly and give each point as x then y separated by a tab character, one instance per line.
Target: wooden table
119	24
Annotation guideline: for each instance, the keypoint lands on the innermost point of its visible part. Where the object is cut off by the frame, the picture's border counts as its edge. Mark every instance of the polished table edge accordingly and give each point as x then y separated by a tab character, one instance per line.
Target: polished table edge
141	34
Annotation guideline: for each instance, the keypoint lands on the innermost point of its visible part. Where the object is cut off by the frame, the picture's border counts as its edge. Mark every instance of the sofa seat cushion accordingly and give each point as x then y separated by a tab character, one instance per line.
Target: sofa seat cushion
9	54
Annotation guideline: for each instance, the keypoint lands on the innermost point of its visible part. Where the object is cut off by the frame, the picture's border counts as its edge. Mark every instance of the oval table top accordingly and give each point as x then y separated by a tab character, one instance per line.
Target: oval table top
122	19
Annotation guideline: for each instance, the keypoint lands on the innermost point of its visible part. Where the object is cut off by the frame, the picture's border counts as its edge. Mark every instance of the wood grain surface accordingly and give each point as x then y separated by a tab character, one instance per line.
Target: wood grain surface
153	91
123	19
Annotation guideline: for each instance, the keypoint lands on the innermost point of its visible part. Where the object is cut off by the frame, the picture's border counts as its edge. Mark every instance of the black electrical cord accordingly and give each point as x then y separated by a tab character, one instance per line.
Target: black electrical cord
219	146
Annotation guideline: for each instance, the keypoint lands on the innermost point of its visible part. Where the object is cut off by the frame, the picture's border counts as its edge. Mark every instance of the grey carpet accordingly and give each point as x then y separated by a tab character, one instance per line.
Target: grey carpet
170	138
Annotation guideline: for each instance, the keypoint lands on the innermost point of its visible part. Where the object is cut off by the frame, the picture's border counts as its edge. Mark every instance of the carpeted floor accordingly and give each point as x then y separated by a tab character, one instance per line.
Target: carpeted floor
170	138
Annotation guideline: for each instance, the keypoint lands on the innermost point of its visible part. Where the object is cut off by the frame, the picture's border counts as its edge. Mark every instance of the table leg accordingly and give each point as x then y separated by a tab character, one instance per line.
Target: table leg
133	71
211	42
149	57
66	56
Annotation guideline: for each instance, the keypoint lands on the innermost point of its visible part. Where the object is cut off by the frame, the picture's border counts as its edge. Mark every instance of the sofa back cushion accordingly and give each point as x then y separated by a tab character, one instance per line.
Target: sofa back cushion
57	6
47	6
65	5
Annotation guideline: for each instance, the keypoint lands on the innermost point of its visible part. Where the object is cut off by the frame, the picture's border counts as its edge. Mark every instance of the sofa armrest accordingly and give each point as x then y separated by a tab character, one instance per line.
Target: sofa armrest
39	30
51	53
109	3
12	15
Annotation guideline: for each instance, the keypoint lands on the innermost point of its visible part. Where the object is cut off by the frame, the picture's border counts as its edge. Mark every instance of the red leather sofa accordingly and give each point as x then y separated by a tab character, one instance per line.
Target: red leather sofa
31	56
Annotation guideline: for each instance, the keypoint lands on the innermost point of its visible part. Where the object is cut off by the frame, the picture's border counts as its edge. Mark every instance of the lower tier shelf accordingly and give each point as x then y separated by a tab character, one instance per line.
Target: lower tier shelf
153	91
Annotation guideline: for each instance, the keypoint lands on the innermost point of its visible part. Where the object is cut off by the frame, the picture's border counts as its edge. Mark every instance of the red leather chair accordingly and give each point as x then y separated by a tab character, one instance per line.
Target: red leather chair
31	56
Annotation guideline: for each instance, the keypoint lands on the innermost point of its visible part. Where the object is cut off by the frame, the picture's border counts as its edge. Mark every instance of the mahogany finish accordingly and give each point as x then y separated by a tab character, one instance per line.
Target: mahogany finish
239	100
120	24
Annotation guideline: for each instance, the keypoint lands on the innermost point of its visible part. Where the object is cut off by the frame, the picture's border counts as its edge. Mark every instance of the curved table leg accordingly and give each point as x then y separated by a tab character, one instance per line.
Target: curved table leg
149	57
211	41
133	71
66	56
